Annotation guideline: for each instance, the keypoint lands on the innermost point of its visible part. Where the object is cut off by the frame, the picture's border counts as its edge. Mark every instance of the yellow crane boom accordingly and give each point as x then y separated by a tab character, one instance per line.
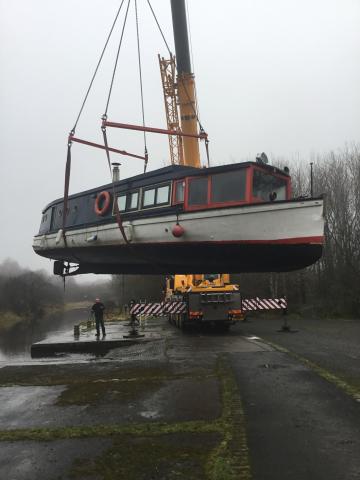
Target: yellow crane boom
181	116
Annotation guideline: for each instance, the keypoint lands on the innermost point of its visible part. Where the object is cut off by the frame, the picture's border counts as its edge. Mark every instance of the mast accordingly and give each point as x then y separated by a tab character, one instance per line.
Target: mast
186	84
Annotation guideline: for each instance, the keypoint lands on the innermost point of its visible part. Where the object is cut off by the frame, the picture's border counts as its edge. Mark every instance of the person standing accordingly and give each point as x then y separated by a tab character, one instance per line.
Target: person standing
98	309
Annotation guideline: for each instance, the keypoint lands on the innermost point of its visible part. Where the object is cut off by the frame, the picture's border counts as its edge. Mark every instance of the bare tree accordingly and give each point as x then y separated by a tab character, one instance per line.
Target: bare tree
332	284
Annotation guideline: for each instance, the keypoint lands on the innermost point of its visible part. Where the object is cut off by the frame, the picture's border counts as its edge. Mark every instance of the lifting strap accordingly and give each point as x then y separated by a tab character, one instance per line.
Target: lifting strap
66	190
116	206
108	149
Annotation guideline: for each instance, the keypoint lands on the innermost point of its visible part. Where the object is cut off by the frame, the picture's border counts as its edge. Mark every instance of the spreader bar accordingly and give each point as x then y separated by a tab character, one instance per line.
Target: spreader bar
127	126
110	149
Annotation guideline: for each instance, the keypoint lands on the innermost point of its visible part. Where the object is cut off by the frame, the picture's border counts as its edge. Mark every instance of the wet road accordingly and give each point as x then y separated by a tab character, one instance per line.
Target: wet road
303	401
249	404
331	344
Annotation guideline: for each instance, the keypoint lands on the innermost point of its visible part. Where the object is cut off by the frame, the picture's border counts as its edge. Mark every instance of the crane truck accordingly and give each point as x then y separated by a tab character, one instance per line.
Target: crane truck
193	299
211	298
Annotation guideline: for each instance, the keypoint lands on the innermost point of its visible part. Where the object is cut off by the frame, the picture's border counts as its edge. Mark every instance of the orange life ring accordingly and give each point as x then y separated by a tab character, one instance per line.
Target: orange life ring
102	203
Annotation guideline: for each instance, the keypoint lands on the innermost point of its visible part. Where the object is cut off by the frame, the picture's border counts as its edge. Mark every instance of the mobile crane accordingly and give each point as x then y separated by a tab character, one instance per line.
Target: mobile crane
209	298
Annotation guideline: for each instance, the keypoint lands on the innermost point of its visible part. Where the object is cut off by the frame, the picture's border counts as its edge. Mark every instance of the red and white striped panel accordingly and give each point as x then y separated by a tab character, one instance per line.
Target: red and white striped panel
174	307
252	304
158	309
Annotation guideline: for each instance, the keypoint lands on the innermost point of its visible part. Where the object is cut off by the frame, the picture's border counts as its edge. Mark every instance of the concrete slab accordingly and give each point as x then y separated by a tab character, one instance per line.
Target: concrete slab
21	405
297	425
173	456
203	349
47	460
105	402
117	336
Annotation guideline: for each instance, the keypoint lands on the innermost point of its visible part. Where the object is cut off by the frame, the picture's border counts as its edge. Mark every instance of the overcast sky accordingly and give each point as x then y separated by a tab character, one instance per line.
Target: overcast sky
280	76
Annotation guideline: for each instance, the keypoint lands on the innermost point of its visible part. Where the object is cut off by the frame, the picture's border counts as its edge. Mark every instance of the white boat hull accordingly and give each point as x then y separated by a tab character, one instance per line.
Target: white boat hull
278	236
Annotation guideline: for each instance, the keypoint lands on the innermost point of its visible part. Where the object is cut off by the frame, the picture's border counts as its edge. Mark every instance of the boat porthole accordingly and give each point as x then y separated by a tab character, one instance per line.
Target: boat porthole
102	203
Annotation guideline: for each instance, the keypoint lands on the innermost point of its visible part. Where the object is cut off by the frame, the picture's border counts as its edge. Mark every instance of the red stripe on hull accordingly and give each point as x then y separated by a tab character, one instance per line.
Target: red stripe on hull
281	241
287	241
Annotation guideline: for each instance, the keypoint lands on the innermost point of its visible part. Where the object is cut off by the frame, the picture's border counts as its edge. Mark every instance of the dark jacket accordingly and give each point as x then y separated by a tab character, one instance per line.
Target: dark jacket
98	308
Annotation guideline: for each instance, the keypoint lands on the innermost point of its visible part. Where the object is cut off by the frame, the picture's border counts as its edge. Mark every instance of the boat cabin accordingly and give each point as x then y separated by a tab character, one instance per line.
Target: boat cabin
173	188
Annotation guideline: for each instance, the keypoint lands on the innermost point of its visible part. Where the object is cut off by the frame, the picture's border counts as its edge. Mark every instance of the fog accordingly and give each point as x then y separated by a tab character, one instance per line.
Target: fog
278	76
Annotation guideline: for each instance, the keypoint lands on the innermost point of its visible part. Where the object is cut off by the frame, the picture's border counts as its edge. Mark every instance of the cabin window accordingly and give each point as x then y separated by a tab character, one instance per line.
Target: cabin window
128	201
268	187
149	198
121	203
162	195
179	192
133	201
198	191
46	220
228	186
156	196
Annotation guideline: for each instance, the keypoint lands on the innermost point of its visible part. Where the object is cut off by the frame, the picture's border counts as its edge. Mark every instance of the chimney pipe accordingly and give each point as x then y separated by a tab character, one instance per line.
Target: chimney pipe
116	172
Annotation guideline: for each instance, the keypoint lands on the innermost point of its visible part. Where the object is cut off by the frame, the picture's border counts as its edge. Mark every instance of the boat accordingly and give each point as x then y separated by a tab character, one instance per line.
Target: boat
181	218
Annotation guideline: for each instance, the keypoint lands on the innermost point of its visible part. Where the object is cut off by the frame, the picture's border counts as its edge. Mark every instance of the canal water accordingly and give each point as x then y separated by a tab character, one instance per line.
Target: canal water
15	343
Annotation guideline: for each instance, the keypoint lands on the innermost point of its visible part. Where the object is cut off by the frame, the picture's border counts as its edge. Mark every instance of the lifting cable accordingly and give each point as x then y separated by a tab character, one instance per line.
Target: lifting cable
157	23
117	59
141	83
106	147
72	133
103	129
97	66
